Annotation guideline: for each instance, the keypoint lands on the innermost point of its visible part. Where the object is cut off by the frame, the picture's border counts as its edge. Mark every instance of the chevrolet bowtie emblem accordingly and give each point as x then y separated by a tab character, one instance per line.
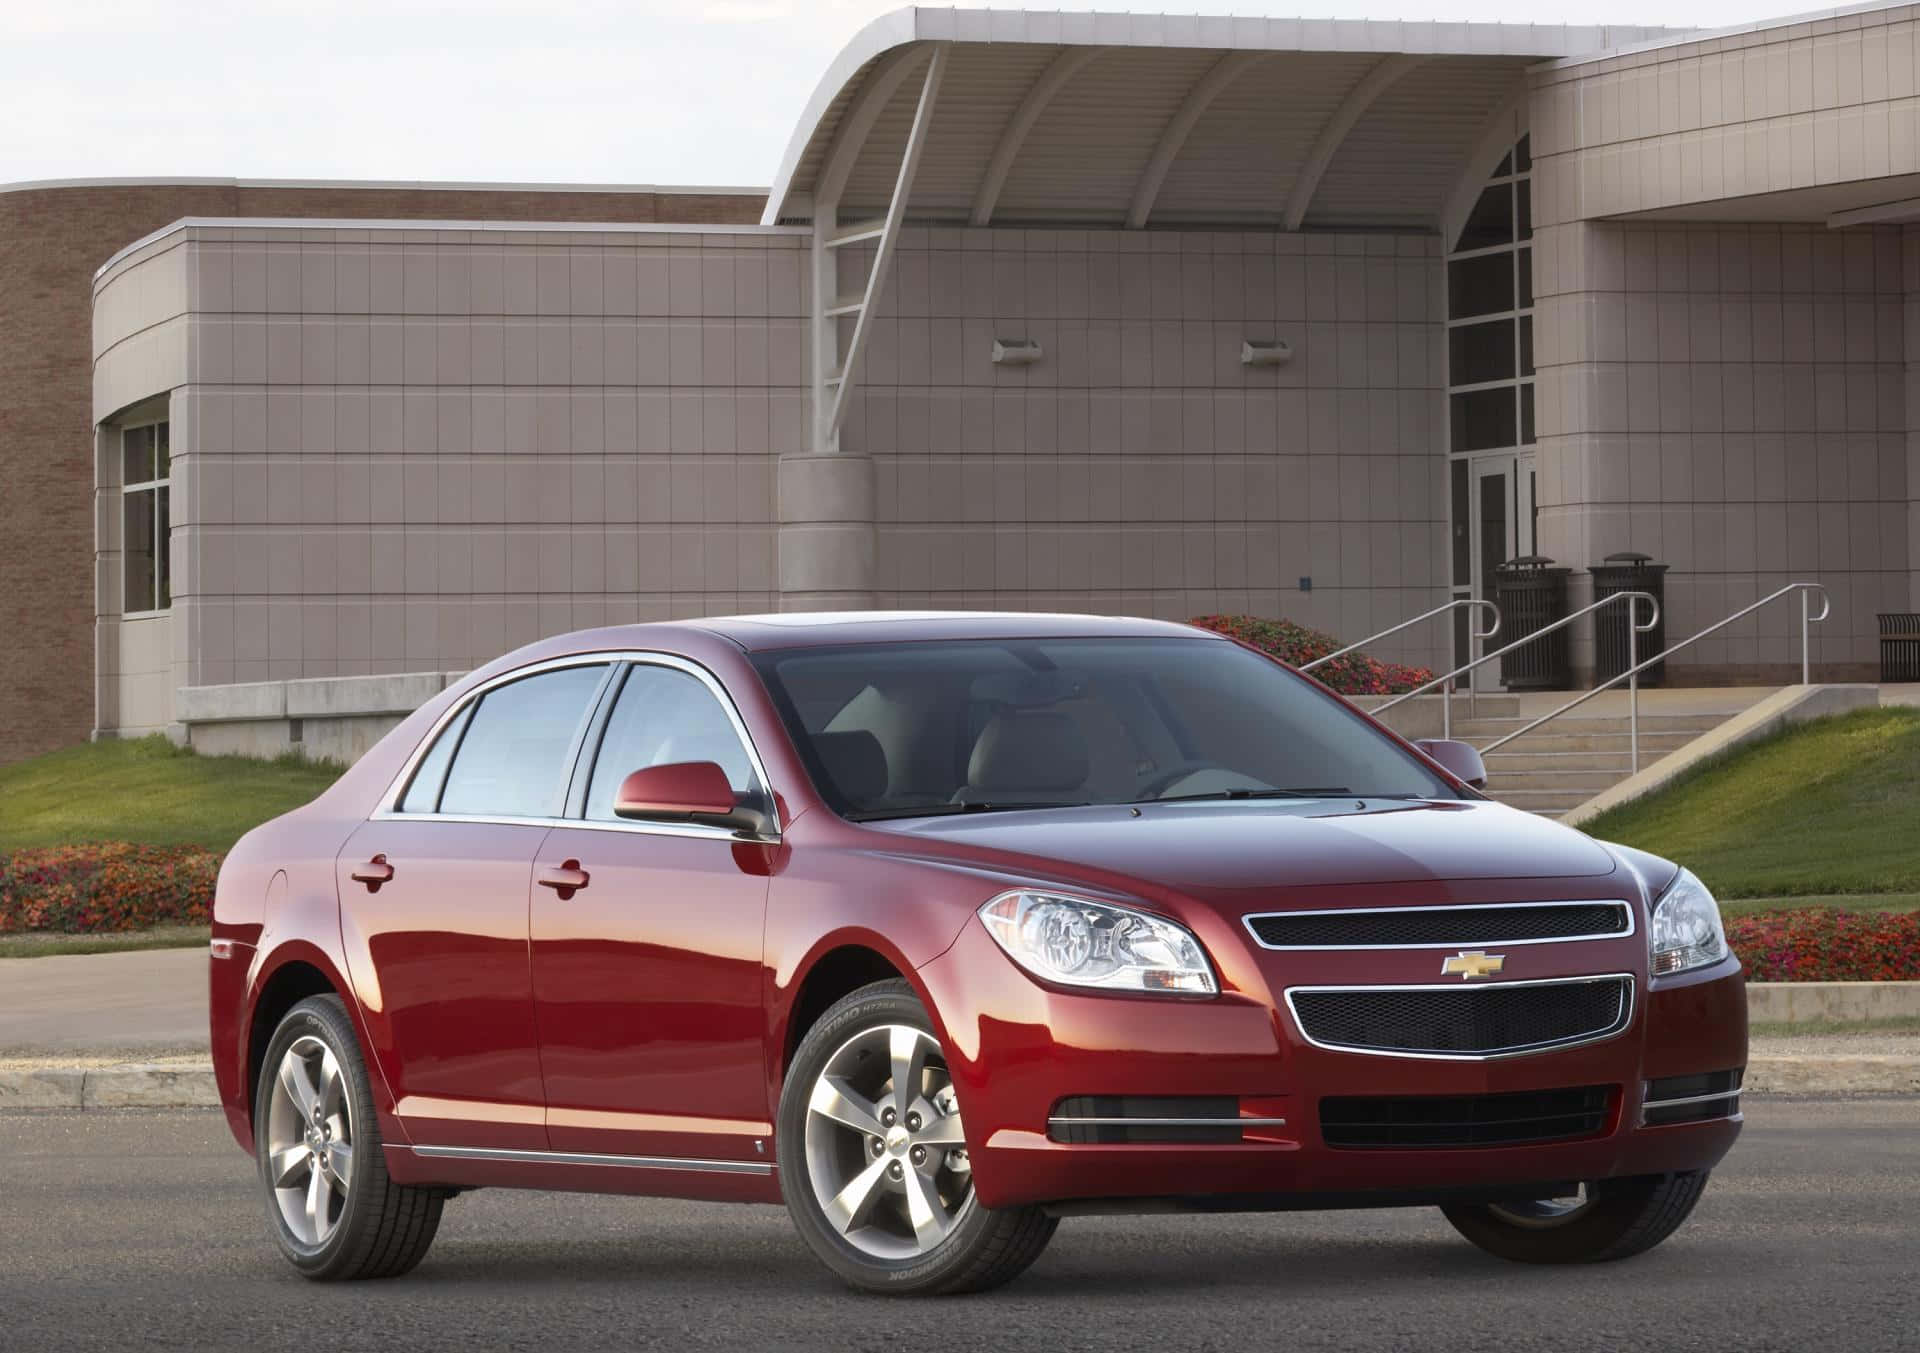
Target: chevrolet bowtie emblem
1468	966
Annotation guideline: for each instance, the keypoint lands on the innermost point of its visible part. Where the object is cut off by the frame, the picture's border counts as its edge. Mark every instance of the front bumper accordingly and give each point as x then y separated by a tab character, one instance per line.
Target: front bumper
1022	1048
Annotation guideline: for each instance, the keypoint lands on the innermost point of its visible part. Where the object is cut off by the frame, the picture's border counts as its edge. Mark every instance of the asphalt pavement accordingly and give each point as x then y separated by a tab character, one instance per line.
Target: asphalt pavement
123	1228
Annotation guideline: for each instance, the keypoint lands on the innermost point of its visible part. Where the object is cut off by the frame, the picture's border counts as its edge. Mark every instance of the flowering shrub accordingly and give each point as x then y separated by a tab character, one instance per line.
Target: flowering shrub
106	886
1819	945
1295	645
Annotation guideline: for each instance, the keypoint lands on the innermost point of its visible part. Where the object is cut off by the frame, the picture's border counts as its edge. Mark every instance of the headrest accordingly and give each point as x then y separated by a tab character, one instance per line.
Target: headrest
1029	750
855	762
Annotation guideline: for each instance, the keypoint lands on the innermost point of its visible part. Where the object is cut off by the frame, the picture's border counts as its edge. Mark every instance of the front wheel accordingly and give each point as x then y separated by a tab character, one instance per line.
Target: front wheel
1611	1219
873	1161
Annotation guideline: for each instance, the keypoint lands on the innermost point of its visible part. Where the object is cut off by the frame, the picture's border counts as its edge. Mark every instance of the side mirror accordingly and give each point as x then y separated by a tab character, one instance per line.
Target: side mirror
685	791
1457	758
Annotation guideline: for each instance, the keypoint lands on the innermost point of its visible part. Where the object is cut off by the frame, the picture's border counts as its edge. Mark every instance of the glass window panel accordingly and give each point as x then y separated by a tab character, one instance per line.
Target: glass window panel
1526	345
1504	168
1523	269
1477	353
162	449
1490	222
1479	286
136	455
1526	415
1523	155
1493	528
1523	209
1482	419
423	792
664	716
1462	528
513	760
137	548
162	549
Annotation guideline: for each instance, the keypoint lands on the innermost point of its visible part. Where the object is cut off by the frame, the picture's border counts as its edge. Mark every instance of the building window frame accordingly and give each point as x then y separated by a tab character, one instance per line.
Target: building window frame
156	486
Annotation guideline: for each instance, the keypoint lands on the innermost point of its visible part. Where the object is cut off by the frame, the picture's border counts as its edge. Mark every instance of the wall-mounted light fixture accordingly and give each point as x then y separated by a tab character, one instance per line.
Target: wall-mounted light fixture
1265	352
1015	351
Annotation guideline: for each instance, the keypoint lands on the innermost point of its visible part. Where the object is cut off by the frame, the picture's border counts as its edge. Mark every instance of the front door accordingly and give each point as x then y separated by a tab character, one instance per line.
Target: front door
1501	515
433	909
647	975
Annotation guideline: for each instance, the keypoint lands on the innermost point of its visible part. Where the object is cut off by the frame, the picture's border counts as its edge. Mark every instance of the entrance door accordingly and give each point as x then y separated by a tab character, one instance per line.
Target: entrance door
1502	511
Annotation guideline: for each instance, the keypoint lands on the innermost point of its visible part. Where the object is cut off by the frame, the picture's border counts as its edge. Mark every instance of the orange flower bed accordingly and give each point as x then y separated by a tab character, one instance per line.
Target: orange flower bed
106	886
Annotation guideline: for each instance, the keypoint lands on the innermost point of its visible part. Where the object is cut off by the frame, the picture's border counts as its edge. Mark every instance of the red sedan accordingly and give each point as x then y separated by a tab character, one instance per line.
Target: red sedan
943	927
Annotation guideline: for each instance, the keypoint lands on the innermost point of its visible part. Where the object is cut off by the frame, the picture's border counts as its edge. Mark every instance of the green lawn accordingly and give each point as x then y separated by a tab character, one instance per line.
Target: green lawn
149	792
1825	813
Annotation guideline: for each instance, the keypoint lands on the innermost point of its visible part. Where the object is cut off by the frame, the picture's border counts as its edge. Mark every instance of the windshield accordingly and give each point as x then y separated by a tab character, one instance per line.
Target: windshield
912	729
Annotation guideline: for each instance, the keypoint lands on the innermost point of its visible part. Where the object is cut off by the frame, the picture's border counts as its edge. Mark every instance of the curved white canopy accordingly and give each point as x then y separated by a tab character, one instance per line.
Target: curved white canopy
1138	119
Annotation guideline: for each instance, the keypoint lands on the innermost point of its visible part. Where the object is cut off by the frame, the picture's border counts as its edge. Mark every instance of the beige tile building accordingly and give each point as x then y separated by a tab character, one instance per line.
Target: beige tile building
1105	313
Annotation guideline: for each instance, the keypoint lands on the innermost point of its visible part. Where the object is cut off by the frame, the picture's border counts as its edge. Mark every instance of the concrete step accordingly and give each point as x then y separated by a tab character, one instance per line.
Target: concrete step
1589	782
1592	723
1546	742
1550	802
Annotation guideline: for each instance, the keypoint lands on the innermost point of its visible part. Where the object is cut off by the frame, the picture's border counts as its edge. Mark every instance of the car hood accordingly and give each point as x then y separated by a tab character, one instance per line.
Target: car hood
1197	847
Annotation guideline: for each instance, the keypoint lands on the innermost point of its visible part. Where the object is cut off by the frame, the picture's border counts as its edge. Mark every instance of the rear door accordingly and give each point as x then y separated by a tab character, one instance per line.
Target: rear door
647	979
433	897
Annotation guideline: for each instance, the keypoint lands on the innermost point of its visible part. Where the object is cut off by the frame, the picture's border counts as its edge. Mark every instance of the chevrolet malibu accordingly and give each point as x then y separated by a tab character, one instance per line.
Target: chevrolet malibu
939	928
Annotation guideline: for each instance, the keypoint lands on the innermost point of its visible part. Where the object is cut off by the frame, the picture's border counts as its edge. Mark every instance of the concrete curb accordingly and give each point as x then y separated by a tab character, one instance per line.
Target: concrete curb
172	1085
188	1085
1814	1003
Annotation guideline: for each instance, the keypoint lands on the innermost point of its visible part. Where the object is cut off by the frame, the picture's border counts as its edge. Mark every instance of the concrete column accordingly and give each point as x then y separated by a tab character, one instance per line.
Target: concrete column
826	537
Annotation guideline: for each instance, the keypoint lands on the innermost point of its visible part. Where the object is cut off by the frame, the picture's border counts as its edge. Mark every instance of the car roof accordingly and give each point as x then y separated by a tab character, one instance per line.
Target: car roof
815	629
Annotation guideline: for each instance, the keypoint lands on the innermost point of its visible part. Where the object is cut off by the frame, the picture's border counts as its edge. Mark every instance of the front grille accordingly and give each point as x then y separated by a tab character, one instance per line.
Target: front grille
1407	927
1509	1017
1369	1122
1085	1119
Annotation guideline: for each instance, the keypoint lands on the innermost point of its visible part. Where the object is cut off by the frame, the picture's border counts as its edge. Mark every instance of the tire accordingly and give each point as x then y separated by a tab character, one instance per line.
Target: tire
882	1248
1618	1219
371	1228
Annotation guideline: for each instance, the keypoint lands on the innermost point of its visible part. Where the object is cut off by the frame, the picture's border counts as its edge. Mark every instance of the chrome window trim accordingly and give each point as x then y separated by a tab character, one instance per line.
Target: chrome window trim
1633	925
1687	1099
1059	1121
1619	1026
387	811
501	1153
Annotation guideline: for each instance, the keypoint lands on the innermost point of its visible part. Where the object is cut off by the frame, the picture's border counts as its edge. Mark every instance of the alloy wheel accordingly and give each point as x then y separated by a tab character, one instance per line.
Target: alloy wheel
310	1141
885	1154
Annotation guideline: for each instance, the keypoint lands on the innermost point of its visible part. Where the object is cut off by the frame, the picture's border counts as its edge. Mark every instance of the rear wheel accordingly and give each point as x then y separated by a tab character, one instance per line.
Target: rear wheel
1610	1219
330	1205
873	1161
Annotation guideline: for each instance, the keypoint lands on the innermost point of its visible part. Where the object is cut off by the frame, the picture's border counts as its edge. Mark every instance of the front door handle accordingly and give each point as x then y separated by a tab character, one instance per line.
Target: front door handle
373	873
565	881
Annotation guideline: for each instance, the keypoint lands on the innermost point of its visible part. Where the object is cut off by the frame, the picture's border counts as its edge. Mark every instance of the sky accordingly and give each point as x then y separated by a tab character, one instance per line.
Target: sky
551	91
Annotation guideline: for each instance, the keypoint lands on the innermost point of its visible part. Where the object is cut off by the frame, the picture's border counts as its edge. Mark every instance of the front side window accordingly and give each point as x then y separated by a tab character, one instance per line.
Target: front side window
664	716
514	750
892	730
146	464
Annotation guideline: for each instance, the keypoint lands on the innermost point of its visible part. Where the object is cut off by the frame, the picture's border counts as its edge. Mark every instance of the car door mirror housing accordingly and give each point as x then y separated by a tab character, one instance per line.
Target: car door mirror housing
1458	759
686	791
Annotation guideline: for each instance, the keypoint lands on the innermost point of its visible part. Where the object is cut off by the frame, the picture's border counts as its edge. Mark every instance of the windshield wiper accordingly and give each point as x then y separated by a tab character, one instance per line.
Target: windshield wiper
944	809
1311	792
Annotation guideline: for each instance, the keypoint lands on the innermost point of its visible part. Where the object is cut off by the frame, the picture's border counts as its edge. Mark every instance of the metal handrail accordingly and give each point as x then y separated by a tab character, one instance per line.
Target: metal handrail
1505	649
1446	702
1632	675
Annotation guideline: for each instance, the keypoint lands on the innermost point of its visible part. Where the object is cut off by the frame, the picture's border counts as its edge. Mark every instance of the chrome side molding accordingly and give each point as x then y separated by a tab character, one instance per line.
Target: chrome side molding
501	1153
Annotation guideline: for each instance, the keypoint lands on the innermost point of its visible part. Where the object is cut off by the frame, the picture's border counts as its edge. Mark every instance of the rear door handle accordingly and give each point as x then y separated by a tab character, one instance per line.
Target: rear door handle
373	873
566	880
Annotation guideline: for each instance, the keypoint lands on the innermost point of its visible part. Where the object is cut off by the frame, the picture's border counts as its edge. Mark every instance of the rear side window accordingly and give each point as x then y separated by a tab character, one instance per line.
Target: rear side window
423	792
664	716
512	760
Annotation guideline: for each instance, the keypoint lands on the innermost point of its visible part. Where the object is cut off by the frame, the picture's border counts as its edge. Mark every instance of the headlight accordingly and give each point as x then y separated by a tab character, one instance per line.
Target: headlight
1097	944
1686	932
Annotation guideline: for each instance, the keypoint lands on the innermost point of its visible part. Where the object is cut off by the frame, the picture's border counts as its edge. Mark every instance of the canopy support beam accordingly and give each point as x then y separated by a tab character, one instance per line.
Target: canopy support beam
1052	80
1332	136
1208	88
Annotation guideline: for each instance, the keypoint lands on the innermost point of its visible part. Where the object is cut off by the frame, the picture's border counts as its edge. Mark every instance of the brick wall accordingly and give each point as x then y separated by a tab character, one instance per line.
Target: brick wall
51	241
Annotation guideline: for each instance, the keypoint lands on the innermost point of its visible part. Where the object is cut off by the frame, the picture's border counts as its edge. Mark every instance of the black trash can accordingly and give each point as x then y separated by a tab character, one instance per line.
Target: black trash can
1899	646
1628	572
1532	595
